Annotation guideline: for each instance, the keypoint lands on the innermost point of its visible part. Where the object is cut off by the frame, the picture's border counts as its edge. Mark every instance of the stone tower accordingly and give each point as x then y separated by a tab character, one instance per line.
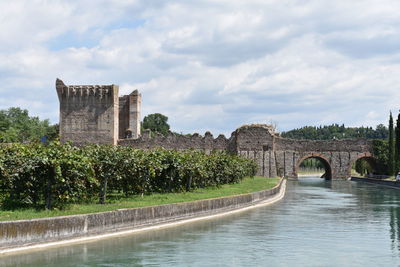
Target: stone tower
88	113
130	115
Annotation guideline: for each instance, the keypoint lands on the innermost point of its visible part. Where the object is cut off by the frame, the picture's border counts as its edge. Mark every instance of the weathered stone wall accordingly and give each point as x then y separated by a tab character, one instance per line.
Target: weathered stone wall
130	115
275	156
178	142
135	111
360	145
254	138
95	114
280	156
123	116
88	113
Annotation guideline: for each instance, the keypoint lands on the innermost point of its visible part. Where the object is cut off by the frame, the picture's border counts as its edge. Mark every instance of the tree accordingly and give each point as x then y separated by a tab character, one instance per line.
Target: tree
17	126
391	162
397	144
381	156
363	167
381	132
157	123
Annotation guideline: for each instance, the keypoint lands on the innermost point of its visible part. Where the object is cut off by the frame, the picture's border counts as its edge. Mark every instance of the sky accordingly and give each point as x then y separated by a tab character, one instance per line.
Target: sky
209	65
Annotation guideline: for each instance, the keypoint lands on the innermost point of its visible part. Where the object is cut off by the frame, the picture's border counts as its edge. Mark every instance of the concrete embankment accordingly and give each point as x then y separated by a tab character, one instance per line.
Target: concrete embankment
17	235
392	184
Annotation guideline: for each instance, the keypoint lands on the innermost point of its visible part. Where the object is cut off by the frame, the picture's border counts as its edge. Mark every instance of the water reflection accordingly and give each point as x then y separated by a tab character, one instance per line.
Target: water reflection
319	223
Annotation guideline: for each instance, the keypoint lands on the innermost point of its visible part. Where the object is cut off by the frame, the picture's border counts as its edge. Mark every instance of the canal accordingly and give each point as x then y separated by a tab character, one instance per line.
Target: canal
318	223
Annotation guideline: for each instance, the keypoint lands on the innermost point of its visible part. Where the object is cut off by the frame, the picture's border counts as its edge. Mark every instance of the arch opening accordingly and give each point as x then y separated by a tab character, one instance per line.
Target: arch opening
314	165
365	166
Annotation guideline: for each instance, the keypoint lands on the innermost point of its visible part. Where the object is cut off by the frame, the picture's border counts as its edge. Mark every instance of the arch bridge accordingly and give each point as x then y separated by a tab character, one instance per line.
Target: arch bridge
278	156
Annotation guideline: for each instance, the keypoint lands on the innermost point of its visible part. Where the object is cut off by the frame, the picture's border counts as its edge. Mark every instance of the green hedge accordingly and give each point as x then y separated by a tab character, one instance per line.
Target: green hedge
55	175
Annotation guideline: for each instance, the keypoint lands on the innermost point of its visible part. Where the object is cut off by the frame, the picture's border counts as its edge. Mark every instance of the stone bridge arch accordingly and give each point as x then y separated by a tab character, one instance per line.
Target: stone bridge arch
278	156
322	158
275	155
367	155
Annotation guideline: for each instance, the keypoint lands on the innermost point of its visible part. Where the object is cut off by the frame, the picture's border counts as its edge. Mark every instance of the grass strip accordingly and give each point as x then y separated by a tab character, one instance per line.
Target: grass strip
248	185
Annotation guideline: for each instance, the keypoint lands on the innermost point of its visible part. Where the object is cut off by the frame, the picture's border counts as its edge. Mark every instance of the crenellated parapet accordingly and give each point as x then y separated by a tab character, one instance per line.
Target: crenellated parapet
89	91
88	113
206	143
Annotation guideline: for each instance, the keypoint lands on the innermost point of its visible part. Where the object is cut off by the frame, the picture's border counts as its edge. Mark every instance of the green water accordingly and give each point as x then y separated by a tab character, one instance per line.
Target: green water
318	223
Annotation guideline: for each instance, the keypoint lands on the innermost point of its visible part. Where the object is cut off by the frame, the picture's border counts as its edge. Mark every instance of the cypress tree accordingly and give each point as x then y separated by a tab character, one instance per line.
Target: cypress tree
391	163
397	145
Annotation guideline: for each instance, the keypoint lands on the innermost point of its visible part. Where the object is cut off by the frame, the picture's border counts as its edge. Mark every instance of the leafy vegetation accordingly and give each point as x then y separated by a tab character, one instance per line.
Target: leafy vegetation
247	185
363	166
156	123
379	164
16	126
312	163
336	131
53	176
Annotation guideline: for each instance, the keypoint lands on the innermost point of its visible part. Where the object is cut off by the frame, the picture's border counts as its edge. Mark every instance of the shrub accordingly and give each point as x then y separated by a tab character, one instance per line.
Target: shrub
56	175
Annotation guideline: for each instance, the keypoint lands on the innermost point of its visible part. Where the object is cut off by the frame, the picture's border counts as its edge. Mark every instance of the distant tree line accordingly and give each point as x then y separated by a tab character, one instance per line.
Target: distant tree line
336	131
16	126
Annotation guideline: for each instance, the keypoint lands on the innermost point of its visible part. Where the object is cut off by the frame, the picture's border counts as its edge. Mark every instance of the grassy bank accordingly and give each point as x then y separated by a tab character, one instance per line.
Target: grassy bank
248	185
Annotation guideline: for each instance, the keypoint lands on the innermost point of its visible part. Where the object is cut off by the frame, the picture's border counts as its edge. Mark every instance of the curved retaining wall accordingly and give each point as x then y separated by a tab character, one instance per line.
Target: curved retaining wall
392	184
28	232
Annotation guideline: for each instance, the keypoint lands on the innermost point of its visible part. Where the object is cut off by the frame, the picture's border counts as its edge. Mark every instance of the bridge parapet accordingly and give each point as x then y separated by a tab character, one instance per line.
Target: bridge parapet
278	156
275	155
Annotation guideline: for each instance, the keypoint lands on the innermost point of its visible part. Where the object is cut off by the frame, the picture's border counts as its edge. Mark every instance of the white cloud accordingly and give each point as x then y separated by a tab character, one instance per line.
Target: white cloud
210	65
